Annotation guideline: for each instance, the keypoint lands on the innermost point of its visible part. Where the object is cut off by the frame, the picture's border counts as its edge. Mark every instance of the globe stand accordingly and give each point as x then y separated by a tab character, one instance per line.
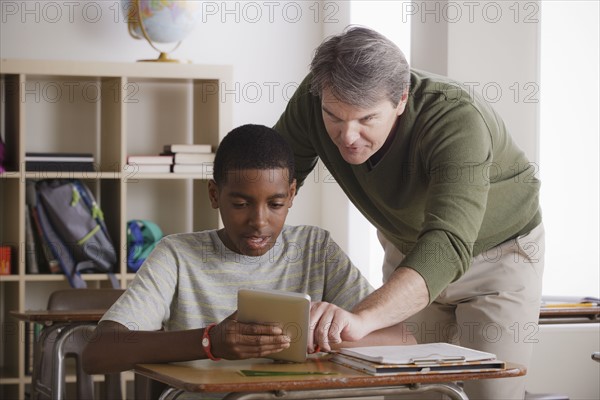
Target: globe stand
163	57
131	25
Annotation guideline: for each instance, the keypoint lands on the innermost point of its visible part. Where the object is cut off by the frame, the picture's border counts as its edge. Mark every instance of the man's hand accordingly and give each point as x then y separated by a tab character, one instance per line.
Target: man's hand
233	340
330	325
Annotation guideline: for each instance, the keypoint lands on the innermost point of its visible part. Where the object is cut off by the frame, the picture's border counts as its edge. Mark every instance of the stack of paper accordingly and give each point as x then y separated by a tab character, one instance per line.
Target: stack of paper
569	302
191	158
149	163
419	358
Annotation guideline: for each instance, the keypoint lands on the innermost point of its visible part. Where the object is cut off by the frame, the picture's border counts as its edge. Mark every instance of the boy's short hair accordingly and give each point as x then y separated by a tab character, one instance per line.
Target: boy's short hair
252	147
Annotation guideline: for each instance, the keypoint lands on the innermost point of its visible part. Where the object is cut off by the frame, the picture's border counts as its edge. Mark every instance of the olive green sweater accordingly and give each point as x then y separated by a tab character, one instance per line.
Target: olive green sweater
451	185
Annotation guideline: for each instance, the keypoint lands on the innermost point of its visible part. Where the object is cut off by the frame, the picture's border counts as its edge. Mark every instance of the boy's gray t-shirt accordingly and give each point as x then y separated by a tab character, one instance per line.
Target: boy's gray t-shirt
191	279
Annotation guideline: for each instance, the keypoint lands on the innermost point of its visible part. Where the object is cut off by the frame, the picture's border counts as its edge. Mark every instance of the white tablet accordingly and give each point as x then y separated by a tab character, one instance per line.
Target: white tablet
290	310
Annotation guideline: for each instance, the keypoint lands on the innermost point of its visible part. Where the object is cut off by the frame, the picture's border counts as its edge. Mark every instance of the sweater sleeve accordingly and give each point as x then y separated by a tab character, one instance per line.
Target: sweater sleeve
456	153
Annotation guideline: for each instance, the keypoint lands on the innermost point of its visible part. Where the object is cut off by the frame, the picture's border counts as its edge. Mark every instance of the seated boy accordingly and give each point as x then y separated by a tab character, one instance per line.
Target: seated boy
191	280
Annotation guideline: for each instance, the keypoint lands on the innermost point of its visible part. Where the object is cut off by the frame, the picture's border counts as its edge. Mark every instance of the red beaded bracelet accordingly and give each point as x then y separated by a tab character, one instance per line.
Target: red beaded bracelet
206	342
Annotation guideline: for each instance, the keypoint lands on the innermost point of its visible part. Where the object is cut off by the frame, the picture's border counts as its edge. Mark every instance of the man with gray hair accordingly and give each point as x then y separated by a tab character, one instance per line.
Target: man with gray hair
454	200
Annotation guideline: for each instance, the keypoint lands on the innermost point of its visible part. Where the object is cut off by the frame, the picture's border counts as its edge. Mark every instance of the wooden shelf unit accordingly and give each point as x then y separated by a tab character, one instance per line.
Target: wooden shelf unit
111	110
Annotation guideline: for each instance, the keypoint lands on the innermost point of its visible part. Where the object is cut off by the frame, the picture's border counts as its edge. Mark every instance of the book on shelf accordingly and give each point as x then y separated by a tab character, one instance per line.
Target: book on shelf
193	158
33	331
187	148
31	262
205	168
147	168
57	162
46	261
55	157
5	260
151	159
420	358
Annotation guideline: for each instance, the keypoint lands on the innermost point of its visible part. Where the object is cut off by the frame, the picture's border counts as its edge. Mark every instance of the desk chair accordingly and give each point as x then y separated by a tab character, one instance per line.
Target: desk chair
61	340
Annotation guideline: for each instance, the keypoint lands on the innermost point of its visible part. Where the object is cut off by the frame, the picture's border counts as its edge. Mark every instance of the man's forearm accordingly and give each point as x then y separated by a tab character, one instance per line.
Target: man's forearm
402	296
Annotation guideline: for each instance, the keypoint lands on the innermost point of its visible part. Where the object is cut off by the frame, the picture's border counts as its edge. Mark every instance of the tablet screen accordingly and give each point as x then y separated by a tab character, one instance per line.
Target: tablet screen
290	310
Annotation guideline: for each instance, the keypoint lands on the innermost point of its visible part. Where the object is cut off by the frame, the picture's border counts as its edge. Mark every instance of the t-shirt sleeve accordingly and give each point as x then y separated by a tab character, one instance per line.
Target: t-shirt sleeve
345	286
146	303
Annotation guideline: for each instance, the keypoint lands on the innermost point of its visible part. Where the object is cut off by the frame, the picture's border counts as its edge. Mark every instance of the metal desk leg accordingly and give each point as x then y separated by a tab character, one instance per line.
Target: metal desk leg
43	362
451	389
171	394
58	367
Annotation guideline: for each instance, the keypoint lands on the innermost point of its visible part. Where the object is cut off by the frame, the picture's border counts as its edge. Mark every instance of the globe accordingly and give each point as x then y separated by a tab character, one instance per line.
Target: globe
161	21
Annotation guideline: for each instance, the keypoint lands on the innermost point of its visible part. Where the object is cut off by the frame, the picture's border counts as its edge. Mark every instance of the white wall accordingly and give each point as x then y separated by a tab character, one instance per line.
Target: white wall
269	45
490	46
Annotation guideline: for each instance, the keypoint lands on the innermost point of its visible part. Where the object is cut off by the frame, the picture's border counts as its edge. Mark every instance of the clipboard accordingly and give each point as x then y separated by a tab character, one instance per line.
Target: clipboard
428	353
417	359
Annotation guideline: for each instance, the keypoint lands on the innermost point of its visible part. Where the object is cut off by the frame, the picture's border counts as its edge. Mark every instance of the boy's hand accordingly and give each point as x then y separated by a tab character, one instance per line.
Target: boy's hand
233	340
330	325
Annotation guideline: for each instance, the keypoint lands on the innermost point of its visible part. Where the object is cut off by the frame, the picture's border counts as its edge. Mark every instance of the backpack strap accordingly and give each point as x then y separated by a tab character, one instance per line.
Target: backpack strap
88	198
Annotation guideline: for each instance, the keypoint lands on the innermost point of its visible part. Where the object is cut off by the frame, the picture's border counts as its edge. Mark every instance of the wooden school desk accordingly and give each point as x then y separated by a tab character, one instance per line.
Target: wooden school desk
319	378
575	314
50	317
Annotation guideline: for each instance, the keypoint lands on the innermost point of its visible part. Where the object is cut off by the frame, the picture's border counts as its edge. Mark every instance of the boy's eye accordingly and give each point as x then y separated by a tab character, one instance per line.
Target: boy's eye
240	205
277	205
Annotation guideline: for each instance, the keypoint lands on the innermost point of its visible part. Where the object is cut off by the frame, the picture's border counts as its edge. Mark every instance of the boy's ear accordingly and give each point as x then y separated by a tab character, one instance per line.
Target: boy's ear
213	193
293	188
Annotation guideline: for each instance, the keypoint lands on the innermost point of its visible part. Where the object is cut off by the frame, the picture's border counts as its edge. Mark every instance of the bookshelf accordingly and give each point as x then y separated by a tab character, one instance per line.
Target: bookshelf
111	110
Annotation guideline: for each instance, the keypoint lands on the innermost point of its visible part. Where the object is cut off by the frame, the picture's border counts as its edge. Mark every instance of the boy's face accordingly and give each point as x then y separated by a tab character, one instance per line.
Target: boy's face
253	204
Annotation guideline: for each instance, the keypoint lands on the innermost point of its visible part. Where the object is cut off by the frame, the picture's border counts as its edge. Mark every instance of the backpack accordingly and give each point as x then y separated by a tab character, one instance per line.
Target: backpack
73	227
142	237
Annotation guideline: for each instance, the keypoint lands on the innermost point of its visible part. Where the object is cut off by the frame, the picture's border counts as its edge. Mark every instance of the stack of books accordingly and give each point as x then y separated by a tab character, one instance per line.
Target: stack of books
419	358
191	158
149	163
59	162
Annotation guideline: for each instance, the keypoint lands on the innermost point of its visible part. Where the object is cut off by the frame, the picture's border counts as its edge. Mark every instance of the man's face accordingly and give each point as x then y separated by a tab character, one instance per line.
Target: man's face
358	132
254	204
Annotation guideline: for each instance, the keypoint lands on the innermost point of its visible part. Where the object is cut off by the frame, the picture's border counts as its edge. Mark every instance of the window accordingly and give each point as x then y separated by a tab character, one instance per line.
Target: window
569	146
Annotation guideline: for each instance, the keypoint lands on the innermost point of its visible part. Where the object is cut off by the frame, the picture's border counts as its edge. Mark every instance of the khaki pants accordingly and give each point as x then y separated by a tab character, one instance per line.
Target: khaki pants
493	307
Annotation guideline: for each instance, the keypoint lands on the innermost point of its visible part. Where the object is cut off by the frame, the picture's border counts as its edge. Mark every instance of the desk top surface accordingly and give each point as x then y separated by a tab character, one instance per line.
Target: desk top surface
50	316
94	315
592	312
224	376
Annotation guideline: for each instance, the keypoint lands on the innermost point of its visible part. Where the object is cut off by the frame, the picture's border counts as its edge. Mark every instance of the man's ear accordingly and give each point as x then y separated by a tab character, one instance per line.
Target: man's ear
402	104
213	193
